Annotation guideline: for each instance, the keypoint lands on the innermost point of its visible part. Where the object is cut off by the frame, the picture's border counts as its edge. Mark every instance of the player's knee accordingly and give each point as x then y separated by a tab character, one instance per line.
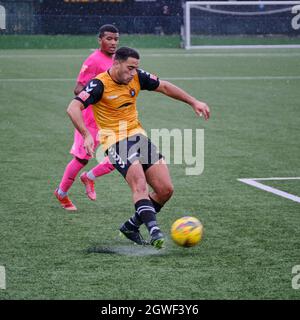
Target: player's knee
169	191
166	192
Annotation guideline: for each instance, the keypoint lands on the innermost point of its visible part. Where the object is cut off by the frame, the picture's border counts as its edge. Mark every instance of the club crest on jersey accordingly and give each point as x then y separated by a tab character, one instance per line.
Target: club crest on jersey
132	92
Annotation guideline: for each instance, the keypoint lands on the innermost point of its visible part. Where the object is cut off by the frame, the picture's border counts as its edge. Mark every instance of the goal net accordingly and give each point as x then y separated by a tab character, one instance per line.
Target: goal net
250	24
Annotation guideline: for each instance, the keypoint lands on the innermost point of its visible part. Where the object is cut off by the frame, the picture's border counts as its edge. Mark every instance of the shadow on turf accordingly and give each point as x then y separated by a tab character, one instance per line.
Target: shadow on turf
132	250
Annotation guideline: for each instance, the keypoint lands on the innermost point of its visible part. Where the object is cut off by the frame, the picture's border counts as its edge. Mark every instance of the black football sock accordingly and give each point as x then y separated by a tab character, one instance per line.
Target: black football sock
133	223
157	206
146	213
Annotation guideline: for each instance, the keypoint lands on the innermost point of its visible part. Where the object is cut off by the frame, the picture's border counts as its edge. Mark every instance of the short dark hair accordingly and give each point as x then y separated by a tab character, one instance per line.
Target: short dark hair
123	53
107	28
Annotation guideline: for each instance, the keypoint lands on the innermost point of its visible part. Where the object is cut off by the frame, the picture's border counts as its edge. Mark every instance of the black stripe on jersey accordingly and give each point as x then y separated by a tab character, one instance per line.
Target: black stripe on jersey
125	105
92	93
147	80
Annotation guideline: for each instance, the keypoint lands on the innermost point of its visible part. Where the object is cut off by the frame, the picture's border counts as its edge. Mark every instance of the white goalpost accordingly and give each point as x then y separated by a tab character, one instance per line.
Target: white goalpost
241	24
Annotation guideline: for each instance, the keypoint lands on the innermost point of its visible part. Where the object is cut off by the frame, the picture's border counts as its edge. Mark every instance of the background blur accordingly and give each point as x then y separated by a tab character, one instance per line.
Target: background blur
131	16
85	16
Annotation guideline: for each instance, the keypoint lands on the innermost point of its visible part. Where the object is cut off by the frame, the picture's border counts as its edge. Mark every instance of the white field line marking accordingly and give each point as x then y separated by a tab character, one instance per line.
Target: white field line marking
30	56
276	178
236	78
223	54
245	46
159	55
214	78
253	182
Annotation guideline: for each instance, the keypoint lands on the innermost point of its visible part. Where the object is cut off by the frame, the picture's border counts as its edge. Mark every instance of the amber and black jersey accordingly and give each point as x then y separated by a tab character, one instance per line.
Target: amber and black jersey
114	105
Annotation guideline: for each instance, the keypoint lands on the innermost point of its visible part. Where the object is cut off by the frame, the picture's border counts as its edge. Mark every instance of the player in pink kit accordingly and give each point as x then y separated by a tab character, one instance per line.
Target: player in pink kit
98	62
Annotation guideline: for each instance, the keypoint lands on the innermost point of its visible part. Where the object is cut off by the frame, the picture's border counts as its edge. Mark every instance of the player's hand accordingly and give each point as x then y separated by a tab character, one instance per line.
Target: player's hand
89	145
201	108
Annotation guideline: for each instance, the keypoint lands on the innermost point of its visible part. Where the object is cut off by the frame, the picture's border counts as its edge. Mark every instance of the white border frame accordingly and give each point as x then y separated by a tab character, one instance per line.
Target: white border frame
2	278
253	182
187	24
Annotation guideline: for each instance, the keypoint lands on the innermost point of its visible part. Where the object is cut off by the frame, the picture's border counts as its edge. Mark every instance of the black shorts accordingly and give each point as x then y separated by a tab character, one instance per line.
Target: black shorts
138	147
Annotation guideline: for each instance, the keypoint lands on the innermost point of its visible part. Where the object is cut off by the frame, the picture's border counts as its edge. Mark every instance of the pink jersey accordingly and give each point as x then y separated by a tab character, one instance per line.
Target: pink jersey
95	63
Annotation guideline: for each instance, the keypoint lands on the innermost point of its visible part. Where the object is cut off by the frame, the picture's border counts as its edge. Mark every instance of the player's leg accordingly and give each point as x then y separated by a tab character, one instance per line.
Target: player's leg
133	172
70	173
136	180
89	177
101	169
144	209
129	230
78	148
72	169
158	177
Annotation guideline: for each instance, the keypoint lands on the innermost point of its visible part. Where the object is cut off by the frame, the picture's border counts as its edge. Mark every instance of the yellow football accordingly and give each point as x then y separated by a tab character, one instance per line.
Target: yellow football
187	231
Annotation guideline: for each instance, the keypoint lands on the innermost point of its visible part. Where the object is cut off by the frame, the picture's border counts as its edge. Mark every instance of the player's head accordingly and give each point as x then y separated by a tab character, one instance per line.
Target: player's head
108	39
126	62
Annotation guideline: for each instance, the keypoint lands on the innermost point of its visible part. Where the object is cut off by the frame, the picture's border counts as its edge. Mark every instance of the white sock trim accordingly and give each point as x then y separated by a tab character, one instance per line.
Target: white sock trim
153	229
90	175
61	193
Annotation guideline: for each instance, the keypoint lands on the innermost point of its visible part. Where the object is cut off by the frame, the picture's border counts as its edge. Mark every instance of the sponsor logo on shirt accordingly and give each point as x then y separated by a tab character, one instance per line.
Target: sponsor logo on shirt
112	97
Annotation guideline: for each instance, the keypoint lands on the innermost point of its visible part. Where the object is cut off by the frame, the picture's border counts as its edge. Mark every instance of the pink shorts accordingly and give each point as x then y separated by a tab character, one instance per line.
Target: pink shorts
77	149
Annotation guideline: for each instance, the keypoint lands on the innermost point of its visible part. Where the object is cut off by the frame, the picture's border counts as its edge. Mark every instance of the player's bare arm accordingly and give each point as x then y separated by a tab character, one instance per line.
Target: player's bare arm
75	114
174	92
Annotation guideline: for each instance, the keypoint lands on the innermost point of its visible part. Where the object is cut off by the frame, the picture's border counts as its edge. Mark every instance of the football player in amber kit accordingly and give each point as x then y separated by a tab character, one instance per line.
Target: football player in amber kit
113	95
